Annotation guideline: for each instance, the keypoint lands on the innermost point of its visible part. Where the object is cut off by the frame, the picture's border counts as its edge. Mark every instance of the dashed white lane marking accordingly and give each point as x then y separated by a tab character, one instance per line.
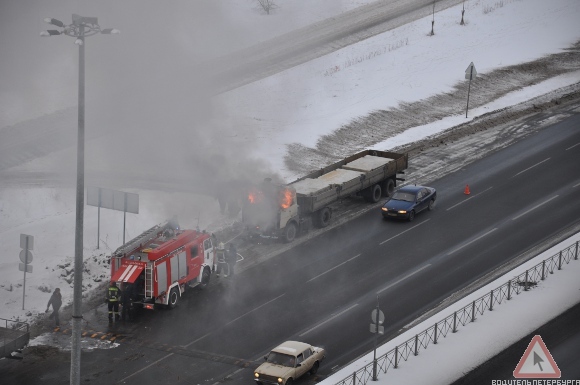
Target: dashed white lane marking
328	320
473	240
471	197
253	310
535	207
337	266
401	233
404	278
529	168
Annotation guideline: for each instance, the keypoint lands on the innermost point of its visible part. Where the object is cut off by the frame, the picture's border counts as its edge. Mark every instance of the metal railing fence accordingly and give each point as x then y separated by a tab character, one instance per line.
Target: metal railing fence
463	316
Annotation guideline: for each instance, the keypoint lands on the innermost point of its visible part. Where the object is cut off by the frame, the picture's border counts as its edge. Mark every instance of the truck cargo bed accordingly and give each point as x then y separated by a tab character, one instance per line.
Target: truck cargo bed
346	177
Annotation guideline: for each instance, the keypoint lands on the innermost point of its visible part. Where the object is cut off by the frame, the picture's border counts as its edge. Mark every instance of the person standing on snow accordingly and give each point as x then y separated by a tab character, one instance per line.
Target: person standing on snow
113	297
56	301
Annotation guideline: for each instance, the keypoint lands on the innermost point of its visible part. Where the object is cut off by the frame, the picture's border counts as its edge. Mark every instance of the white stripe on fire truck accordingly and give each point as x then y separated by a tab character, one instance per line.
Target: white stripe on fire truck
128	272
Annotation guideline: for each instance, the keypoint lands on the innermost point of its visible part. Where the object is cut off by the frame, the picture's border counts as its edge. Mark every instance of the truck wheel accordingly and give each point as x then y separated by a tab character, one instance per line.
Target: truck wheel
205	276
323	217
388	187
290	232
173	298
373	194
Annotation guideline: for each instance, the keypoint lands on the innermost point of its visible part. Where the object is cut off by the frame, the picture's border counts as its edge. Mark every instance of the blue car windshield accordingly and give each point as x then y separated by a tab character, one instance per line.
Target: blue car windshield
404	196
281	359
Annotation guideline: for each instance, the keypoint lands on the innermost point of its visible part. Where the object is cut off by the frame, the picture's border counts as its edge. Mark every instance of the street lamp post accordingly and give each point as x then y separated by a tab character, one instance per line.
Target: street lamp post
80	28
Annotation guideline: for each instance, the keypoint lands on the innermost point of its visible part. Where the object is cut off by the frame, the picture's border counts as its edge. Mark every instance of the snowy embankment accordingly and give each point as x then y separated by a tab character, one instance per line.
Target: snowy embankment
492	331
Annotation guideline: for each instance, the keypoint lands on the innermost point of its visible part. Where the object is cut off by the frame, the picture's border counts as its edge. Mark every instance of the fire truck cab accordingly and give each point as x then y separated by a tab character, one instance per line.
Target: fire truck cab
162	262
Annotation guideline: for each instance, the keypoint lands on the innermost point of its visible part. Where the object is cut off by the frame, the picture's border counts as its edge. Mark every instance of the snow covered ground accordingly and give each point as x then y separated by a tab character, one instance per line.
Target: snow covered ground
299	105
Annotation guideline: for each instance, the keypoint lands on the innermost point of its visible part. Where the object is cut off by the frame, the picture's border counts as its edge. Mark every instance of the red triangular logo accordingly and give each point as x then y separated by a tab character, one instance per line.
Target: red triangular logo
537	362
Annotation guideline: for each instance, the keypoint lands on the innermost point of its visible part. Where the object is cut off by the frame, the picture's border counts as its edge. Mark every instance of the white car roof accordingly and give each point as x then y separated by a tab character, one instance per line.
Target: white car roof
291	347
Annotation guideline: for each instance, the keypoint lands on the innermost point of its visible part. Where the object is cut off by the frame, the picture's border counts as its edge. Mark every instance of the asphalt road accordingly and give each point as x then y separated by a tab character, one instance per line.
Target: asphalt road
323	290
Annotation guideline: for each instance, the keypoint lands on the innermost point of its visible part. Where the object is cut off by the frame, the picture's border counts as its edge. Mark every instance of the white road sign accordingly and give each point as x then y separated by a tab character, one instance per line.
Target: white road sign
469	73
22	267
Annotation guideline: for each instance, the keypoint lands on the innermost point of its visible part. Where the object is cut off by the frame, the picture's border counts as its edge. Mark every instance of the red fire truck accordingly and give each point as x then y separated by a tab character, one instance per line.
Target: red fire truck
162	262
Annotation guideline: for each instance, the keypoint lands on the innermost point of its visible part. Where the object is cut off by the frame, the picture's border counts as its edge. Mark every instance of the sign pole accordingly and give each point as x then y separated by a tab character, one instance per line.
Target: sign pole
25	264
376	336
99	221
469	90
470	73
124	216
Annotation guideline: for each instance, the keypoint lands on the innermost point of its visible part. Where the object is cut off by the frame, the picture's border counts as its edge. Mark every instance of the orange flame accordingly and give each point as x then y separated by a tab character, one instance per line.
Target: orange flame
286	198
255	196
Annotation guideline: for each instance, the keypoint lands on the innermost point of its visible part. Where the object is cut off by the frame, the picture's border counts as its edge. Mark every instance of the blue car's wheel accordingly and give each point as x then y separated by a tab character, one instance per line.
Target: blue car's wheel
411	215
431	204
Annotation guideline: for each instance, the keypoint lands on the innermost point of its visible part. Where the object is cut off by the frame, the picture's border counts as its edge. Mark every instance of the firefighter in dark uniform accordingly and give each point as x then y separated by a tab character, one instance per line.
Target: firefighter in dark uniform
113	297
126	298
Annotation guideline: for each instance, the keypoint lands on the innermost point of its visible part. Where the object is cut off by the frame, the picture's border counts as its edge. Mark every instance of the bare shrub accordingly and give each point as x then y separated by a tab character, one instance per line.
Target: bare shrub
267	5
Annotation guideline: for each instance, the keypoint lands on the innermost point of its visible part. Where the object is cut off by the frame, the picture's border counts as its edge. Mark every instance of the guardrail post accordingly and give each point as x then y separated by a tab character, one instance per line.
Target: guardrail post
435	335
543	269
354	378
576	254
396	357
491	301
509	290
416	343
526	282
454	322
473	312
560	261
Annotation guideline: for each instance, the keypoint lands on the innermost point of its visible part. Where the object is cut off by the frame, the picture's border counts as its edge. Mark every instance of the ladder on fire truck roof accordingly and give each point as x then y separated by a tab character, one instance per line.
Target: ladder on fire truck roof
142	239
149	281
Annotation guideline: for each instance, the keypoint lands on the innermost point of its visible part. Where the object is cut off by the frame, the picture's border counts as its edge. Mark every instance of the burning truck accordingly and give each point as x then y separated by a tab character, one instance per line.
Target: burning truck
282	211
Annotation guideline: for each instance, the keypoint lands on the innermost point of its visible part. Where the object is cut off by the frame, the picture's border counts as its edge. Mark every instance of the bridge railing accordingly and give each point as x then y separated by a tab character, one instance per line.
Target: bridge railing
462	317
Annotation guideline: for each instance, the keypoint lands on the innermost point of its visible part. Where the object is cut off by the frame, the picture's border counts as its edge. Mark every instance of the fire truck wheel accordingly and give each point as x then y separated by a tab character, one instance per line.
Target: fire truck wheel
173	298
205	276
290	232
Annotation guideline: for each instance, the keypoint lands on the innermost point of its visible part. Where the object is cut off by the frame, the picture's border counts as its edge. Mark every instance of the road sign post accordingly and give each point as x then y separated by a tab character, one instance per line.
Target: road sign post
114	200
377	318
27	244
470	74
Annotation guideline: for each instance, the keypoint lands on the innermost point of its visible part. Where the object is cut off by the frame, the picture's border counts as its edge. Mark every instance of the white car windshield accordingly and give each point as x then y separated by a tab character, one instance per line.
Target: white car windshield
281	359
403	196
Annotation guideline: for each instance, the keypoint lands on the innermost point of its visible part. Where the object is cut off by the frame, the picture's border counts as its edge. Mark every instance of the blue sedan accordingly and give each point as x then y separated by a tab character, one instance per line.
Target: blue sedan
409	201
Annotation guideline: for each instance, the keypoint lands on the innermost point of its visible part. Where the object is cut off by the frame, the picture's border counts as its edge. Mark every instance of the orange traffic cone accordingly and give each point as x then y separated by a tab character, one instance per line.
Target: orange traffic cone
467	192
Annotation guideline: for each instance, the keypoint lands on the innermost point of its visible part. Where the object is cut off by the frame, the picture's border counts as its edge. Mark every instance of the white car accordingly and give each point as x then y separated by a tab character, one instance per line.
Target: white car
288	362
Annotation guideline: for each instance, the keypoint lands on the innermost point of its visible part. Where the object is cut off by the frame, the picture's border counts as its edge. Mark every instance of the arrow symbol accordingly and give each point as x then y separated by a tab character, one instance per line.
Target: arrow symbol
537	360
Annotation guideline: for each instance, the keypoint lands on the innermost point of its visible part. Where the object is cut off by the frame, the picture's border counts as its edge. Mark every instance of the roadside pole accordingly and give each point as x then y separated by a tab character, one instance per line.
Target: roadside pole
377	319
27	244
470	74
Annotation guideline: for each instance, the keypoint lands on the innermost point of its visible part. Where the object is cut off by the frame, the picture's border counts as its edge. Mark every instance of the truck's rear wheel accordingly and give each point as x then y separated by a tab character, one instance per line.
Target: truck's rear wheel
173	298
388	187
323	217
290	232
373	193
